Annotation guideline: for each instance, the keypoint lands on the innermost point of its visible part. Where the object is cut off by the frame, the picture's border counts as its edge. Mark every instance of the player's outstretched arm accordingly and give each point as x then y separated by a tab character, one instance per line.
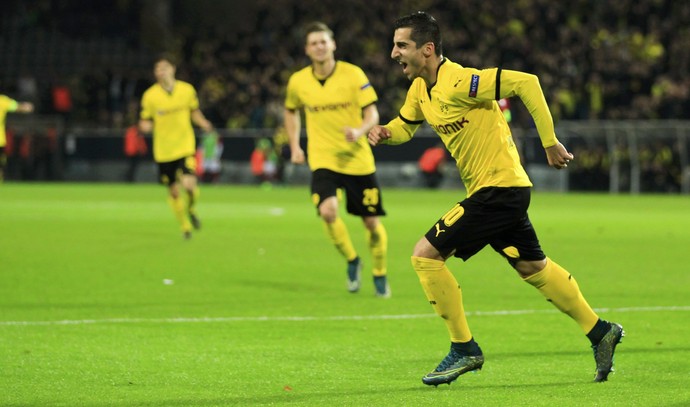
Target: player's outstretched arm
526	86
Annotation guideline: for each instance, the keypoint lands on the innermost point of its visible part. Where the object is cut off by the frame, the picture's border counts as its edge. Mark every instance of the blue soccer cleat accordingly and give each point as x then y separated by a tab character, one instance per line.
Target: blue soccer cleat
452	366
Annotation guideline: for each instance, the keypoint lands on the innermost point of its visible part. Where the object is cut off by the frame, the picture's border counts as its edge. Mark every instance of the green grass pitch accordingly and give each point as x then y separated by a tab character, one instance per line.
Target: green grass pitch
103	304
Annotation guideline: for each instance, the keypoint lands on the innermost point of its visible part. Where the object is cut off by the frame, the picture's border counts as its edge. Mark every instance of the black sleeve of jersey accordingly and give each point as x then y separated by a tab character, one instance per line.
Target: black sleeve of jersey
498	83
408	121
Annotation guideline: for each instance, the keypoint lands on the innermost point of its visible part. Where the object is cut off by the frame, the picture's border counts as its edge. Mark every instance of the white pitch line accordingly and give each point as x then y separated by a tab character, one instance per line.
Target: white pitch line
315	318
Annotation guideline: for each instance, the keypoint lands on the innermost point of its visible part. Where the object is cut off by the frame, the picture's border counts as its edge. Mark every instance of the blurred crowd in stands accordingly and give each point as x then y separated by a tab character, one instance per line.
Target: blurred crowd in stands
596	60
658	162
626	59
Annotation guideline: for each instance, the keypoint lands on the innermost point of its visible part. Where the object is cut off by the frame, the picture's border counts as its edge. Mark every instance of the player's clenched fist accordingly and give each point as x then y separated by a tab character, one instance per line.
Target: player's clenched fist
378	134
297	155
558	156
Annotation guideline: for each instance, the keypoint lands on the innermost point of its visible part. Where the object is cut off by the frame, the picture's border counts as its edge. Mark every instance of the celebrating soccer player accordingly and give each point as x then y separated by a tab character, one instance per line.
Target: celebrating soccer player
460	104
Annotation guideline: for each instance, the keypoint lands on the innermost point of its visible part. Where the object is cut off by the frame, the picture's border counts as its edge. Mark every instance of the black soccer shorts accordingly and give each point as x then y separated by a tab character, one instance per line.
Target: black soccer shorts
362	191
495	216
170	172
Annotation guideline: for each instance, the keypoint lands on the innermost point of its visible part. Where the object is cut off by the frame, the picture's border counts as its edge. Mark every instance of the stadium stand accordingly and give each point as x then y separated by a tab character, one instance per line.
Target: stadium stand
597	61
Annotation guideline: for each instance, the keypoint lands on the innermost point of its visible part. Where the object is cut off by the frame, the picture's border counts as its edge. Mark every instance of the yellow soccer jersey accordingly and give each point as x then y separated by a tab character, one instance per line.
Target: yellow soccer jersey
462	109
173	134
329	107
7	104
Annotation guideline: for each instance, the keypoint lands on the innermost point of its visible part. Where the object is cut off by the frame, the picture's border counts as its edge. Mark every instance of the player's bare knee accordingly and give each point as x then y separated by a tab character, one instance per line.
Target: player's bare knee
424	249
328	213
328	209
370	222
327	216
526	268
174	191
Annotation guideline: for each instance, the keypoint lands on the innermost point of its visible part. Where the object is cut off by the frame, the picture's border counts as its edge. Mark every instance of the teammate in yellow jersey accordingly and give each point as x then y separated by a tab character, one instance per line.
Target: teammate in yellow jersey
461	106
9	105
340	108
168	108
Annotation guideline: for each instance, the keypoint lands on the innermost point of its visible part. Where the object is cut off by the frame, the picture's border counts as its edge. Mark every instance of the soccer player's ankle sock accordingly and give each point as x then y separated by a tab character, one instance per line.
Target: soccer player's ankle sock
444	295
178	207
600	329
340	237
560	288
470	348
378	244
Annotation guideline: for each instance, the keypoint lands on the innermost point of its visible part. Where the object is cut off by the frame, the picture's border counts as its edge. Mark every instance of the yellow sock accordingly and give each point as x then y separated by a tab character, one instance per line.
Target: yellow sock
444	294
378	244
560	288
340	237
178	207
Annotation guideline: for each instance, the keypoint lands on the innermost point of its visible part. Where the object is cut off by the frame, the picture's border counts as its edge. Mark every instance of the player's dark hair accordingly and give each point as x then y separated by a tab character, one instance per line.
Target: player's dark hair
316	27
165	56
424	28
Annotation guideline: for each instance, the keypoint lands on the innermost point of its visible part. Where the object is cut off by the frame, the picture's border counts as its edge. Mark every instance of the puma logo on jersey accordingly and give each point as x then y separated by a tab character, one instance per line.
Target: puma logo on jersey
439	230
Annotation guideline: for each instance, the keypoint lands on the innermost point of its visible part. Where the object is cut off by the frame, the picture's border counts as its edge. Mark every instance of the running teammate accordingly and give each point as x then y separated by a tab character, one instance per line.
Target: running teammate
168	108
340	108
